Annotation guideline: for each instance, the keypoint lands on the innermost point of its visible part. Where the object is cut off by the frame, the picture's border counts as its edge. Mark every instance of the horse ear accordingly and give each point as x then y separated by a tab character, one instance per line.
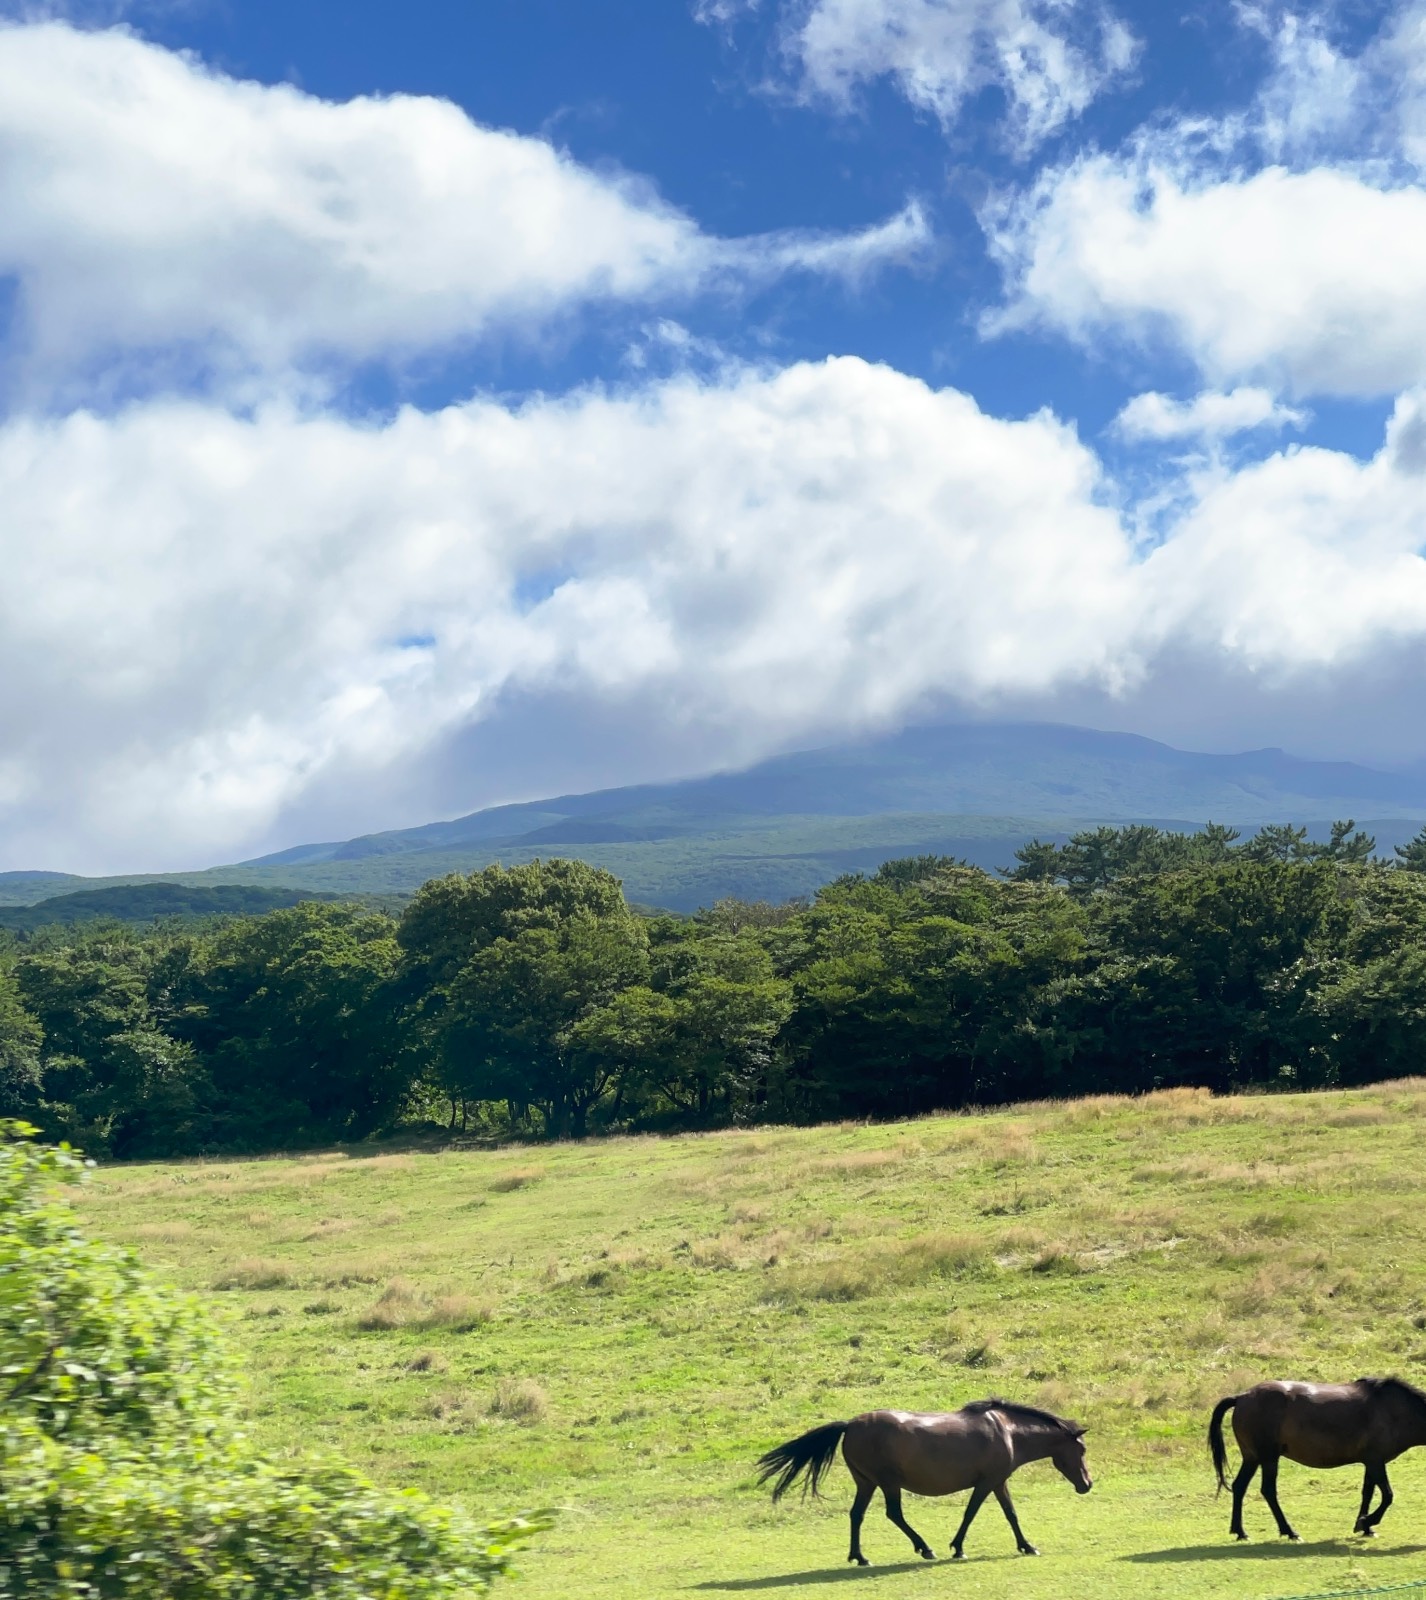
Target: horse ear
1078	1431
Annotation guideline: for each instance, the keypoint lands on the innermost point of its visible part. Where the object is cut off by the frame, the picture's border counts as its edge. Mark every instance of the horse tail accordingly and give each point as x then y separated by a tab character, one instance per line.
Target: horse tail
1215	1438
813	1454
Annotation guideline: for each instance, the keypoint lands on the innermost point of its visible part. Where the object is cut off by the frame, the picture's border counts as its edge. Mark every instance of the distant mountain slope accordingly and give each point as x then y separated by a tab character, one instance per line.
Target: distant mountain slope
144	902
785	826
23	888
1021	770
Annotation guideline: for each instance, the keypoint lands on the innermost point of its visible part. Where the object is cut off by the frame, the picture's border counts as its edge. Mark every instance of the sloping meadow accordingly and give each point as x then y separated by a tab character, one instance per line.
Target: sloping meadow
622	1327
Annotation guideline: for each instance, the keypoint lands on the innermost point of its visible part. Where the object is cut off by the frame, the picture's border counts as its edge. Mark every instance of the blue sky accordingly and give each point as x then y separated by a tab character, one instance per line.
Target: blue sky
405	409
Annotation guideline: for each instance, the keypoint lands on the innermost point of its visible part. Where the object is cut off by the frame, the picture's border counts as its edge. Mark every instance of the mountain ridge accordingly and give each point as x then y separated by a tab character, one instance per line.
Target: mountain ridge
1250	786
784	826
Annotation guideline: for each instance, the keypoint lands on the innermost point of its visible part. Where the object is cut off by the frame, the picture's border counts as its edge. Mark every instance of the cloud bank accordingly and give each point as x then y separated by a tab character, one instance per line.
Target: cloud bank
226	594
212	612
161	216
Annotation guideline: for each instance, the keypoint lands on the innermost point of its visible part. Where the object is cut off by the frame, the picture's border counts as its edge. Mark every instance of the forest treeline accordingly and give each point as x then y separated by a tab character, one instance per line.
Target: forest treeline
535	1000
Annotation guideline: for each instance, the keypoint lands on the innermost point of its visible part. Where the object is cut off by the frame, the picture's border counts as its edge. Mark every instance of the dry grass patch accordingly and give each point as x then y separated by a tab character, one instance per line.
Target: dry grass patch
855	1275
451	1407
391	1163
719	1255
854	1162
519	1400
329	1228
401	1304
1057	1258
256	1272
518	1178
396	1307
1362	1116
165	1232
458	1312
427	1361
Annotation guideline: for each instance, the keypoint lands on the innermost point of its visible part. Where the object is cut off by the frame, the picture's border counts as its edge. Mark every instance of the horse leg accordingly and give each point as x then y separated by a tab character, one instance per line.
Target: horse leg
865	1490
1369	1528
1269	1487
1007	1505
1368	1488
893	1510
977	1500
1240	1488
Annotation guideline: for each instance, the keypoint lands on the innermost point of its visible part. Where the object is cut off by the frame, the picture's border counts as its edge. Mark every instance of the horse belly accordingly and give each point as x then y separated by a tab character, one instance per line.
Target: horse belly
1306	1440
931	1468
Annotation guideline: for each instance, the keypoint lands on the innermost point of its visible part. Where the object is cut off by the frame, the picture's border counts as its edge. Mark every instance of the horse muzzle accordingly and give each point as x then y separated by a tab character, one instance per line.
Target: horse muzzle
1083	1488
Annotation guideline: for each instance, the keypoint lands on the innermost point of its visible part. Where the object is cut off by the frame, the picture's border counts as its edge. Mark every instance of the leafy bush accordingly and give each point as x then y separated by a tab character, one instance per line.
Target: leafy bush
122	1470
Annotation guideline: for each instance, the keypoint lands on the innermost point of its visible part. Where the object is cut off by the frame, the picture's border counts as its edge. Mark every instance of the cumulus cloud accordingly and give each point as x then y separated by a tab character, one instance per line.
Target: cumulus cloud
1281	245
1308	282
1050	58
1310	558
217	611
155	210
1212	415
213	614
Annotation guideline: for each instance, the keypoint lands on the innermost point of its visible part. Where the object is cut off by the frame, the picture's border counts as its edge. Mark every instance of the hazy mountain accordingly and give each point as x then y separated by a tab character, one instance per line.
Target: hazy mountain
785	826
1009	770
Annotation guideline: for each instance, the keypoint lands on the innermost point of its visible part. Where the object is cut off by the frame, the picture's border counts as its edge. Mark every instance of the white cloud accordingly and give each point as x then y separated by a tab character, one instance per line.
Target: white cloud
213	616
155	210
1310	559
1308	282
1049	57
1282	245
1211	415
207	611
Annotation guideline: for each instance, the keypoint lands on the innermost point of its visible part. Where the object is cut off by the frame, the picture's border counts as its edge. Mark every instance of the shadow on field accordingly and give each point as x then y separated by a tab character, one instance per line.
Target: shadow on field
791	1580
1276	1552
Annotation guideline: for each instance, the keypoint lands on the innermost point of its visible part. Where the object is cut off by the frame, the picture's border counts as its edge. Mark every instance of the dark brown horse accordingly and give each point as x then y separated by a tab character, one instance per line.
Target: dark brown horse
932	1453
1371	1421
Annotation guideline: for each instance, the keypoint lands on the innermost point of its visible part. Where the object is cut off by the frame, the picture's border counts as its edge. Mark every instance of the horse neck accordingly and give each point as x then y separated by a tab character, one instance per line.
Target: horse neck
1410	1421
1033	1442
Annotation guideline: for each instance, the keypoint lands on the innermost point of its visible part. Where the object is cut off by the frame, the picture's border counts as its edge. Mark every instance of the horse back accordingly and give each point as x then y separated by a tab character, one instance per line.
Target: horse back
1315	1424
926	1452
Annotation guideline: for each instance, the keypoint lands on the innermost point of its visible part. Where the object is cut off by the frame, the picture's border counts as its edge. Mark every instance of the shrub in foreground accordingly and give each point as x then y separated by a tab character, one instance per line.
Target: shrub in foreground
122	1472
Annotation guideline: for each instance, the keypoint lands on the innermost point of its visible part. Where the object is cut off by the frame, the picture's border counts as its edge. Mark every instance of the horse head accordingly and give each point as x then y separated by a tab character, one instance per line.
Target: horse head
1070	1458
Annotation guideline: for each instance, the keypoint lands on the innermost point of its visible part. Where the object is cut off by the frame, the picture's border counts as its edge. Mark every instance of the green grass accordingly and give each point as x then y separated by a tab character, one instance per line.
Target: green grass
621	1328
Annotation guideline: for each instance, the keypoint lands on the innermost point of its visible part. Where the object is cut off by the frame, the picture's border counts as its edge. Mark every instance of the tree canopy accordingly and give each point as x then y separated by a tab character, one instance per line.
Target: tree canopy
534	1000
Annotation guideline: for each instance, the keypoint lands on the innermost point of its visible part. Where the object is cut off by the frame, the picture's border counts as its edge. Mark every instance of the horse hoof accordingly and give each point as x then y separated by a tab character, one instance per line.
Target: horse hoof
1242	1538
927	1555
1368	1533
1293	1538
1028	1550
957	1555
861	1561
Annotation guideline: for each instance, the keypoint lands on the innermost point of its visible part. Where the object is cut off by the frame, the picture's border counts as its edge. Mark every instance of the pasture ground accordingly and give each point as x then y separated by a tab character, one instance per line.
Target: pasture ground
620	1328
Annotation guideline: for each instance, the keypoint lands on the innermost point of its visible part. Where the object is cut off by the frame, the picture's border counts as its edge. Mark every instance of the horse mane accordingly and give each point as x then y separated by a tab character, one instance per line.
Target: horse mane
1397	1385
1029	1413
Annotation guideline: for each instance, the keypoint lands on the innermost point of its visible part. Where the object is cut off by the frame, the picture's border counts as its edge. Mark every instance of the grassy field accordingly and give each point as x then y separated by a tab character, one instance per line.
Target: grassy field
619	1329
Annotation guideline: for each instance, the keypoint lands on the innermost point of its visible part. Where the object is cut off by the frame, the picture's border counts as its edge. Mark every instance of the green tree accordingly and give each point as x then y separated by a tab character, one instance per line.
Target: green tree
123	1472
698	1038
293	1014
1411	856
1206	976
501	969
111	1076
21	1038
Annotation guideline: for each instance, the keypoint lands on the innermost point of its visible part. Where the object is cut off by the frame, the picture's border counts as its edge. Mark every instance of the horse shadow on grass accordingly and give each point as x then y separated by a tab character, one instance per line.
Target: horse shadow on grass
1275	1552
793	1580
